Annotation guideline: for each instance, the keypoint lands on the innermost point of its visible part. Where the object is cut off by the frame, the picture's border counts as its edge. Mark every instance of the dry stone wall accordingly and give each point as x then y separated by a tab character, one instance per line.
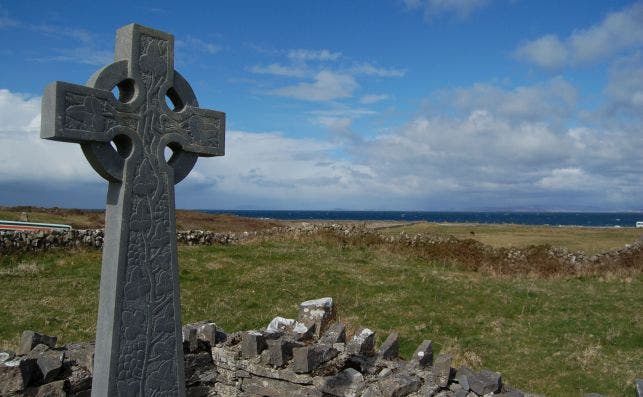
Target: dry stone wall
309	356
468	251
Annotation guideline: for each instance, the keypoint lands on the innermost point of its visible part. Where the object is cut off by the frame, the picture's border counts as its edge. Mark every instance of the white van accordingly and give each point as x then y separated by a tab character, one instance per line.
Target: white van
639	224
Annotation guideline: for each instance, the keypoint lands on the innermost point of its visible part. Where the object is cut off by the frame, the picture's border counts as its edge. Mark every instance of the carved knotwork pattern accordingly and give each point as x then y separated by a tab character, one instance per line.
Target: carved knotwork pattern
147	356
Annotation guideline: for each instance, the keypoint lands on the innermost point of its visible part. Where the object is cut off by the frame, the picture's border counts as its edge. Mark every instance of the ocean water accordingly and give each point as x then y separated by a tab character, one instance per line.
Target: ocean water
602	219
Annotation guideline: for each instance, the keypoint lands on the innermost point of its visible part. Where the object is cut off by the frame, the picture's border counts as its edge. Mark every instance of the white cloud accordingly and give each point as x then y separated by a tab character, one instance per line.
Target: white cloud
313	55
434	8
326	86
278	70
625	85
567	179
196	44
26	157
618	31
373	98
547	52
371	70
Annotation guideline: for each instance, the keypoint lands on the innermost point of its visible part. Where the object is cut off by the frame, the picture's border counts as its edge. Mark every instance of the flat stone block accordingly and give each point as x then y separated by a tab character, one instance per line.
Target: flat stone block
252	344
485	382
14	377
462	377
53	389
309	358
362	343
391	347
81	354
336	333
423	355
317	311
50	364
442	370
280	351
190	341
276	388
348	383
79	379
31	339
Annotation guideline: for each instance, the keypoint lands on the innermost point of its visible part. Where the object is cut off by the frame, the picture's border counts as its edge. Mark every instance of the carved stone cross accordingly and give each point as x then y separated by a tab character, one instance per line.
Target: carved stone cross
139	348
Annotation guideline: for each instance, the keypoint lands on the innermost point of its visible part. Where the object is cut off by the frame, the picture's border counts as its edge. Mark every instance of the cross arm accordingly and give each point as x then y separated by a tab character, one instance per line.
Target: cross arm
76	113
204	128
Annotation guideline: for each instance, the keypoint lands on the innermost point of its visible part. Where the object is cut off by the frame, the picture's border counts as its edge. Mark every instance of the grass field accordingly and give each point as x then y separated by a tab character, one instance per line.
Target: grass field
591	240
560	336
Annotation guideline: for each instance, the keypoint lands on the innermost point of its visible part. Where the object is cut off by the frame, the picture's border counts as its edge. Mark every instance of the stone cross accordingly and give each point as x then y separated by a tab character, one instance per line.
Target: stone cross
139	348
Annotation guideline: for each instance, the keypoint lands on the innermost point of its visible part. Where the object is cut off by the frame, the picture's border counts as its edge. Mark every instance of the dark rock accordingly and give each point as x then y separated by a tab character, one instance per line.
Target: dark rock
31	339
347	383
14	376
199	368
78	379
462	377
252	344
485	382
442	370
53	389
309	358
336	333
190	341
391	347
50	363
268	387
80	354
423	355
280	351
362	343
198	391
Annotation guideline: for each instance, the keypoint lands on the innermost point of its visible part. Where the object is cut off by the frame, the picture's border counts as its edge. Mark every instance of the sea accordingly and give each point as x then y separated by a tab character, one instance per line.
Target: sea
588	219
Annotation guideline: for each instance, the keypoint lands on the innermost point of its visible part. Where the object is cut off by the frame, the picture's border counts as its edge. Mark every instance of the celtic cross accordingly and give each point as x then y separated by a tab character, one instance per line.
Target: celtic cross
139	348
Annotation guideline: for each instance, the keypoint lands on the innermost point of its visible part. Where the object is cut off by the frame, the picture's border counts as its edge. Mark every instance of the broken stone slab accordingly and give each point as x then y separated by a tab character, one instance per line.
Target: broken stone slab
390	349
287	374
423	355
308	358
462	377
362	343
485	382
252	344
80	354
50	364
442	370
398	385
79	379
336	333
53	389
31	339
347	383
14	376
280	351
276	388
207	334
190	341
303	332
317	311
280	324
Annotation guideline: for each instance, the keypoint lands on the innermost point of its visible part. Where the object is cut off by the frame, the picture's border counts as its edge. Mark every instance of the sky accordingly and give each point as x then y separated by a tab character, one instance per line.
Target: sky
364	105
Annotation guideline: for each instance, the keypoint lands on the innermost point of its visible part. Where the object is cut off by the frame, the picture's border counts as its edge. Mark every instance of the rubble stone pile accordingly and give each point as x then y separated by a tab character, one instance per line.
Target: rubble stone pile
310	356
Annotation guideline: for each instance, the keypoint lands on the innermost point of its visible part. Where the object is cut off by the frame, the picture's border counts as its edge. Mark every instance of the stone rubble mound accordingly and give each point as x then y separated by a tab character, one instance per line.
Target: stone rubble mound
310	356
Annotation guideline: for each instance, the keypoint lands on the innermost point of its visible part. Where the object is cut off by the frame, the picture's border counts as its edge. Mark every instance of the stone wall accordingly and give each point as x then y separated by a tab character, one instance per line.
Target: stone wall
468	252
310	356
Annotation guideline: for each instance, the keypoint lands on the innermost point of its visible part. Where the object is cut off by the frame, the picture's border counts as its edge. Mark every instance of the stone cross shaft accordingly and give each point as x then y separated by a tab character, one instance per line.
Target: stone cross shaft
139	348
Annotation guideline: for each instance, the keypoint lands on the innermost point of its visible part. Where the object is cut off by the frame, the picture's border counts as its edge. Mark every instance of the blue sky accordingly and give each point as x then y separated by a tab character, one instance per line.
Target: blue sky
391	104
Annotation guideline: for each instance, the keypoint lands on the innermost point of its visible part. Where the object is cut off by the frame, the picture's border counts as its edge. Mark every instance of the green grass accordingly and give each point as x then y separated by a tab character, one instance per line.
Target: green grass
556	336
591	240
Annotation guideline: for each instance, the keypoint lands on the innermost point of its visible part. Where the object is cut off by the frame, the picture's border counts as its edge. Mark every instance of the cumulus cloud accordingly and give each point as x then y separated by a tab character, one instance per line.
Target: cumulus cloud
433	8
26	157
371	70
625	85
326	86
618	31
313	55
279	70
